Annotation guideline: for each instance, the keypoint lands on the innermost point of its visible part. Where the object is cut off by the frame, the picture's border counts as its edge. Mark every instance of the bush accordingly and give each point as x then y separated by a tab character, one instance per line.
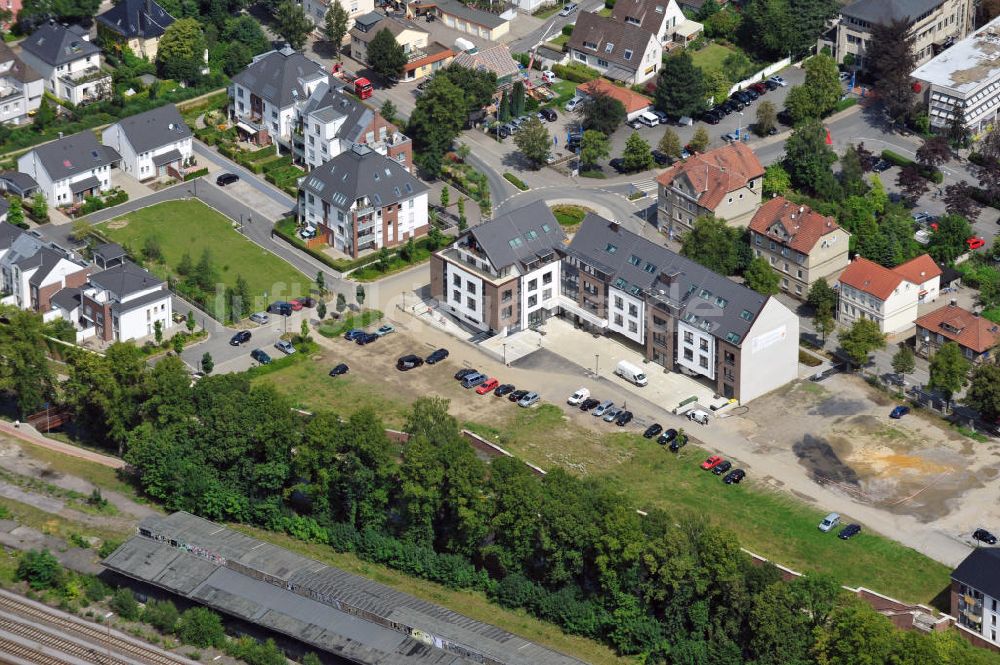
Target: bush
162	615
514	180
41	570
575	72
125	604
568	30
195	174
107	547
94	589
200	627
934	175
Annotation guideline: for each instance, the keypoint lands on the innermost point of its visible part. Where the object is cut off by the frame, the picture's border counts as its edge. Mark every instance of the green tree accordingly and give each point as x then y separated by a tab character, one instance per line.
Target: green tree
670	143
320	283
292	24
852	173
359	295
808	159
594	146
40	569
189	321
388	111
890	58
15	214
177	343
824	321
767	118
311	659
35	12
903	361
204	274
321	310
246	30
158	331
207	363
235	59
983	394
436	120
185	266
771	26
863	337
124	604
948	242
200	627
823	83
162	615
341	303
335	26
533	141
503	110
715	245
776	181
699	142
737	66
151	249
800	104
761	277
462	222
40	206
680	86
24	365
949	371
602	113
386	56
637	155
181	51
820	294
304	336
445	195
854	635
723	24
45	116
517	99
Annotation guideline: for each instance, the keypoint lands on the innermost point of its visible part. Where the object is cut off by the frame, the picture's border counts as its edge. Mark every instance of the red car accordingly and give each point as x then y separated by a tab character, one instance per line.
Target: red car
487	386
975	242
760	88
296	304
712	462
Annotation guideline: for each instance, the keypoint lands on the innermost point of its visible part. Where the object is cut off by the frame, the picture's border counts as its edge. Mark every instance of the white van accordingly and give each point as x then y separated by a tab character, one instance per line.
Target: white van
829	522
649	119
549	76
576	399
631	373
698	416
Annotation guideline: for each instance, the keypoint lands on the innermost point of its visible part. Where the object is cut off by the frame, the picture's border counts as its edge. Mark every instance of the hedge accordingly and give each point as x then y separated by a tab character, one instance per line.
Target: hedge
568	30
285	229
196	174
934	175
575	72
335	328
514	180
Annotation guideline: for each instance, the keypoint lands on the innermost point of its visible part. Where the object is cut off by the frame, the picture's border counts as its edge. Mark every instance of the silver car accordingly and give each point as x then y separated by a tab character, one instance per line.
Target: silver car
602	407
260	317
611	414
529	399
285	347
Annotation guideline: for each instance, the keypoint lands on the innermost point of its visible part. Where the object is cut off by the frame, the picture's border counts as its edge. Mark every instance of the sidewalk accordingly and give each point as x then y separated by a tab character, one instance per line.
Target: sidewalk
29	434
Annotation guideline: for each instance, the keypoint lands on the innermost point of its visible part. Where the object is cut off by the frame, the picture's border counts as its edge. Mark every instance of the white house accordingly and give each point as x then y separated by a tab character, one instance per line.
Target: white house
32	272
975	594
151	144
661	17
121	303
621	51
316	10
68	61
21	88
70	169
923	272
870	291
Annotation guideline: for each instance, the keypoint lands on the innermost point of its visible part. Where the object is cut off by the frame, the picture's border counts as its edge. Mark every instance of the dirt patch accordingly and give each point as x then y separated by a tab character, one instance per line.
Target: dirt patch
117	224
823	463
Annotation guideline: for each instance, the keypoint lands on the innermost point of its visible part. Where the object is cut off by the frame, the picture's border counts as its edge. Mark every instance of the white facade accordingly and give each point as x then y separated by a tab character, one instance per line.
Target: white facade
322	143
17	96
133	317
140	165
77	81
696	350
465	296
411	216
894	314
626	315
645	67
316	10
770	352
60	192
539	294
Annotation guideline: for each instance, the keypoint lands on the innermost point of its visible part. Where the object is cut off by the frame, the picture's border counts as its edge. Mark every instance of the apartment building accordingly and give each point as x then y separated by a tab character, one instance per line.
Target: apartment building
118	304
870	291
70	169
21	88
934	26
152	144
974	334
621	51
316	10
68	61
423	57
799	243
361	200
685	317
725	182
975	595
33	271
502	275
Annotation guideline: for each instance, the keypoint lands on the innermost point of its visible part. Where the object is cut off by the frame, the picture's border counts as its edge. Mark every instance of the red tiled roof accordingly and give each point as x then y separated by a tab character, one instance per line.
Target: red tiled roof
918	270
962	326
717	172
631	100
869	277
801	227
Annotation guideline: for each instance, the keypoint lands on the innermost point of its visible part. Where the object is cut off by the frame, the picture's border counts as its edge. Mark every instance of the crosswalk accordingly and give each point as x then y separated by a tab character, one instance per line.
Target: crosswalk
646	185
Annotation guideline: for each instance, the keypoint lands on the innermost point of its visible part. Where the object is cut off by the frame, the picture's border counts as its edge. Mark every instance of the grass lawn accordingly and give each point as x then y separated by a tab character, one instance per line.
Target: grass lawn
565	91
189	227
710	58
569	215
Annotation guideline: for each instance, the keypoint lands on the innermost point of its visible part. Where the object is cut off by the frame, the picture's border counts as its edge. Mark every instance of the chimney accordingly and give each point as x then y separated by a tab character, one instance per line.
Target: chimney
953	302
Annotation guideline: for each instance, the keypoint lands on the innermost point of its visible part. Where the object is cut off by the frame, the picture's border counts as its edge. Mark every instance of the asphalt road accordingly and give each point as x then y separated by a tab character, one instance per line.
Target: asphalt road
552	27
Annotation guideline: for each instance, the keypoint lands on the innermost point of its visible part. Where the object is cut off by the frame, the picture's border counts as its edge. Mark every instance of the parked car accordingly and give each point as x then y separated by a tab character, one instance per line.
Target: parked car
661	116
260	317
569	9
473	380
464	372
712	117
734	477
529	399
785	118
610	414
975	242
437	356
339	369
295	304
517	395
504	389
759	88
487	386
772	85
285	347
384	330
661	158
712	462
731	136
260	356
577	398
780	81
899	412
668	436
984	536
602	407
751	93
353	334
678	443
723	466
549	76
307	301
829	522
408	362
226	179
652	430
881	165
730	106
623	418
549	114
366	338
922	218
618	164
242	337
572	104
849	531
589	403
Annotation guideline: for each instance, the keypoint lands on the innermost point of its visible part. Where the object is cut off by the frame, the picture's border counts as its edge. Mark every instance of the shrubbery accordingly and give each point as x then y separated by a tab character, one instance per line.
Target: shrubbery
575	72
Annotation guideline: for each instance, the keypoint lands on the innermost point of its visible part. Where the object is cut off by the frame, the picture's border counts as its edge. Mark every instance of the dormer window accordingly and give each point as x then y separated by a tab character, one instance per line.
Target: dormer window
609	47
632	20
659	9
590	45
628	54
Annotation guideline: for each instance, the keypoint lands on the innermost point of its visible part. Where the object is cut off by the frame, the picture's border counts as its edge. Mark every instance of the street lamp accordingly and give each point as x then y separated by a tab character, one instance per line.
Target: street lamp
739	127
505	354
107	620
597	364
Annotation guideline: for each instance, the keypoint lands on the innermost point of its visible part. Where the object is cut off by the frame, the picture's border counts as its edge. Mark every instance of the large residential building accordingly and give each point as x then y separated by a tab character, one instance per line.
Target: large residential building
459	16
923	272
361	200
151	144
70	169
121	303
502	275
423	57
685	317
664	18
963	82
934	25
725	182
975	594
870	291
134	24
974	334
316	10
802	245
68	61
621	51
495	59
21	88
33	271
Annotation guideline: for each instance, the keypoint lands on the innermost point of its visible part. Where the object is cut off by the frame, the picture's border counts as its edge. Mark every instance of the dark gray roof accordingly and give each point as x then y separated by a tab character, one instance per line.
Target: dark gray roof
981	570
275	76
365	22
603	32
22	248
691	292
18	70
167	157
136	18
345	614
8	234
154	128
469	14
362	172
109	251
881	12
74	154
330	101
46	259
519	236
90	182
67	299
56	44
119	307
22	181
4	207
124	280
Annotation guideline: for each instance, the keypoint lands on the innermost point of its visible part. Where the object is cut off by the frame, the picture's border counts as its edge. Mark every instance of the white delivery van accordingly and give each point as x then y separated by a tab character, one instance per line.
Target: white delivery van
576	399
631	373
698	416
648	119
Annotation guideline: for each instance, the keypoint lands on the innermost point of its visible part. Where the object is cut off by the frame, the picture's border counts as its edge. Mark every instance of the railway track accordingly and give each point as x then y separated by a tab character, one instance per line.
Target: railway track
26	653
101	641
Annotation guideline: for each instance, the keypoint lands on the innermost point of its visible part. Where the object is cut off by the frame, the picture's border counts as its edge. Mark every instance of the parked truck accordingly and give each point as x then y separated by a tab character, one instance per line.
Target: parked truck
631	373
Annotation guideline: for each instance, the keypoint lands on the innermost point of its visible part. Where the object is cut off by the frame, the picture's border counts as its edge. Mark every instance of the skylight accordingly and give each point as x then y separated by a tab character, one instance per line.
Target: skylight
649	267
611	249
620	283
634	260
732	338
746	315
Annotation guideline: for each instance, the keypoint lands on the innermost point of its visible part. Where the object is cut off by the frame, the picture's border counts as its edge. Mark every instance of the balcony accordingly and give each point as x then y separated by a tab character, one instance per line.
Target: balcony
84	76
9	88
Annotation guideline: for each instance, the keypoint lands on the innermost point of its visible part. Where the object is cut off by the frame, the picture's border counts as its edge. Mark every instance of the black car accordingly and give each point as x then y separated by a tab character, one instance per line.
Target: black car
409	362
849	531
668	436
652	430
785	118
242	337
618	164
367	338
678	443
751	93
730	106
504	389
742	97
623	418
726	465
772	85
549	114
464	372
339	369
437	356
517	395
734	477
589	403
226	179
261	356
661	158
308	302
984	536
281	307
712	117
881	165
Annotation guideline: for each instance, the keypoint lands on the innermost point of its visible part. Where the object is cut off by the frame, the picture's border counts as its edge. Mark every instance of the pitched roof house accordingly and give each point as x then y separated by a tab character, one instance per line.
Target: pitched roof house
32	271
21	88
496	59
923	272
633	102
423	57
68	61
620	51
889	297
975	592
135	24
725	182
123	302
975	334
661	17
71	168
151	144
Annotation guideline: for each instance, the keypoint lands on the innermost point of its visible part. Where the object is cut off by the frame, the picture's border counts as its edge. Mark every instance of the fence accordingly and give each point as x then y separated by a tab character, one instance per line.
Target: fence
762	74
